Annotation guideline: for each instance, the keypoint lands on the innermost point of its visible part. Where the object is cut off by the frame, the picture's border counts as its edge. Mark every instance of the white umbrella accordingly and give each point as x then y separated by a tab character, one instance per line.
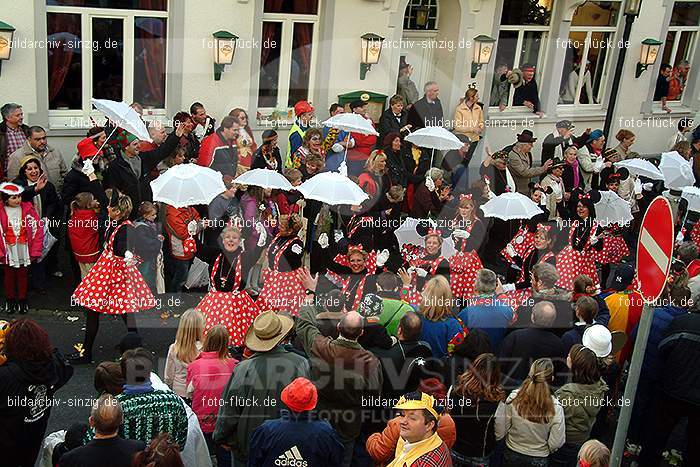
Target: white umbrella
692	195
641	167
188	184
678	172
407	233
123	116
265	178
332	188
351	122
434	137
611	209
509	206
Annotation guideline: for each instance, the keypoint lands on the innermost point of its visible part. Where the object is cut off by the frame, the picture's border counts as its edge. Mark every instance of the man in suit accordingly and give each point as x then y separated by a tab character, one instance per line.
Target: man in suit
394	119
520	162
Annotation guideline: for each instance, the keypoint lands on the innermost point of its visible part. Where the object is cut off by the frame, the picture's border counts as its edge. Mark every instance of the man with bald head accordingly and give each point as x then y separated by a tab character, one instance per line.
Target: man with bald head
523	346
106	448
344	373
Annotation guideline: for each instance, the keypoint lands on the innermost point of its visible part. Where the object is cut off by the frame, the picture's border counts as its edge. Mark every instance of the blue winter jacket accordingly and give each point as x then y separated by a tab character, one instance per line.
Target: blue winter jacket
652	366
295	439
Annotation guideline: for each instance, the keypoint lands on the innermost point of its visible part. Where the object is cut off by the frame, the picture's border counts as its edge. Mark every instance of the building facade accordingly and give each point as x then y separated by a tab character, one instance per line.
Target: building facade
160	54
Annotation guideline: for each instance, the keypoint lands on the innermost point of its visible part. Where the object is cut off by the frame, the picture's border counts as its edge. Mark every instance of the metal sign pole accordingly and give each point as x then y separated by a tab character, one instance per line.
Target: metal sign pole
623	422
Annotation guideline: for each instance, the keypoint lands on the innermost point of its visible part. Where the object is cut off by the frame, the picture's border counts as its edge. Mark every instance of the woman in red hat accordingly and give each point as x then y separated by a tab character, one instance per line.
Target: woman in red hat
468	232
22	240
282	290
227	302
113	285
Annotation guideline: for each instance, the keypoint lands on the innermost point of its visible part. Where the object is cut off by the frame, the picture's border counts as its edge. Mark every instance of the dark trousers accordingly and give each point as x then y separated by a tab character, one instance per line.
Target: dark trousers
667	413
16	282
92	326
223	457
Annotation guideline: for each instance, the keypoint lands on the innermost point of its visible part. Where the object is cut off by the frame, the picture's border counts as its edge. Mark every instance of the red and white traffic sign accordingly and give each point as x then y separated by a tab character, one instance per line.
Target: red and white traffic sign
655	249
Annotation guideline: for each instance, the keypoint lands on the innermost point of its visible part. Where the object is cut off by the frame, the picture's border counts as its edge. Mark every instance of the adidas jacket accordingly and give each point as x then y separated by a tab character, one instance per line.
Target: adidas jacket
295	440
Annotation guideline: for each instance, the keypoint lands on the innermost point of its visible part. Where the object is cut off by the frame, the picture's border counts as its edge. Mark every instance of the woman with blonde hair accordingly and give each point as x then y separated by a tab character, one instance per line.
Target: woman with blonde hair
474	400
626	139
531	419
468	233
469	119
207	377
440	327
185	349
375	179
593	453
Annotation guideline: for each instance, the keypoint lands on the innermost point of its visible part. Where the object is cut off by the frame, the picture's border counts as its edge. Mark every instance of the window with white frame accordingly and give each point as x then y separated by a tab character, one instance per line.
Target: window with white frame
105	50
589	52
287	58
522	41
680	43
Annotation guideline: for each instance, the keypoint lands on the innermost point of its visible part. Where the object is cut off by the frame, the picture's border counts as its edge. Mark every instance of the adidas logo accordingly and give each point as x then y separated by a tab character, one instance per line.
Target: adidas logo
291	458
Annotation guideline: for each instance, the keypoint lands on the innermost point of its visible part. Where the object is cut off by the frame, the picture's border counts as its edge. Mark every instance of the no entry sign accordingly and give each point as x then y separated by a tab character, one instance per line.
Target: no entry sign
655	248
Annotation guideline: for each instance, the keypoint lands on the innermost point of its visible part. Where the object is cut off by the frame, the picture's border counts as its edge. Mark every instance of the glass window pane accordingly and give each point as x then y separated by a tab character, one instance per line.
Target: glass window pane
270	64
684	47
300	7
149	61
595	73
572	62
505	57
156	5
532	45
65	60
107	58
596	14
527	12
685	14
411	13
301	63
668	46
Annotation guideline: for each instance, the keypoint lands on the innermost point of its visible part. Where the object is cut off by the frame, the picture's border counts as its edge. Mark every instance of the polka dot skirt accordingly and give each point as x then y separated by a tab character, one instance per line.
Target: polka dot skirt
614	249
572	263
282	292
463	269
234	310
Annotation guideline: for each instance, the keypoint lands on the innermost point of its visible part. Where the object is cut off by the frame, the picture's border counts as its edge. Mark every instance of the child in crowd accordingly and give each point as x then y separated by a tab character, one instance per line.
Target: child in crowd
22	240
593	453
83	231
207	377
147	242
184	351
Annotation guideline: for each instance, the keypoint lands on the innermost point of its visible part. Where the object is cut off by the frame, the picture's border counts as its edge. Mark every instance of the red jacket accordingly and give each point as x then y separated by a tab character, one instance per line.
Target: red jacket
218	154
176	220
34	230
84	235
364	145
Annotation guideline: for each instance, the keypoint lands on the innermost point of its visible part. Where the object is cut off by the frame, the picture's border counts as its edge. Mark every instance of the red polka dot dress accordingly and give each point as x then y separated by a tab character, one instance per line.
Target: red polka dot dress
614	246
695	234
578	256
226	303
111	286
282	290
464	265
522	244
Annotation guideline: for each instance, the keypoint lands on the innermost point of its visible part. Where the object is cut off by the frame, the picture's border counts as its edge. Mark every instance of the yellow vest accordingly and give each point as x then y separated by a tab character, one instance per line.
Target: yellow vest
294	129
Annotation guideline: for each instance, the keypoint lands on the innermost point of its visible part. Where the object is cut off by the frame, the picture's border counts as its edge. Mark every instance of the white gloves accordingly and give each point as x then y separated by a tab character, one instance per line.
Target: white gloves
259	228
648	186
429	183
129	259
323	240
337	147
510	250
594	239
262	238
459	233
637	186
192	228
337	236
420	272
88	168
599	163
382	257
679	237
508	287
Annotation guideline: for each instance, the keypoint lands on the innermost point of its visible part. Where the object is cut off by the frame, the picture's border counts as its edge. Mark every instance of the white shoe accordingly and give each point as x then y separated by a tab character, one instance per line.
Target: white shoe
58	274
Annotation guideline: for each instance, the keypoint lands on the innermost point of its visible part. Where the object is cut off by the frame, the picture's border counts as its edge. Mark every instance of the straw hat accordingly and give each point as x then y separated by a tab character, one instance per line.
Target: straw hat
268	330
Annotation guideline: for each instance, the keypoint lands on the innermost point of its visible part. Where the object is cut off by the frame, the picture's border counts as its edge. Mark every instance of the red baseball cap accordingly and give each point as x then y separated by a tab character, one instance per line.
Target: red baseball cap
300	395
302	107
87	148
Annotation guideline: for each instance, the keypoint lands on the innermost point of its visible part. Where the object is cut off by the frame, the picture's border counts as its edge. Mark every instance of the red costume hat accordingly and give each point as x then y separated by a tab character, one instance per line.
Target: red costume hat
302	107
11	189
87	148
300	395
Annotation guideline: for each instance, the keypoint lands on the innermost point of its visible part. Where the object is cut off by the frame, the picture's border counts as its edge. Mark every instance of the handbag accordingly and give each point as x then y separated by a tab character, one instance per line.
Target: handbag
49	240
198	275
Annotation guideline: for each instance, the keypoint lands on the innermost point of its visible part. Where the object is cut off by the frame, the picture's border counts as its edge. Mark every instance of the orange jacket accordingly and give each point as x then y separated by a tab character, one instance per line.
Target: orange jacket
382	446
176	227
